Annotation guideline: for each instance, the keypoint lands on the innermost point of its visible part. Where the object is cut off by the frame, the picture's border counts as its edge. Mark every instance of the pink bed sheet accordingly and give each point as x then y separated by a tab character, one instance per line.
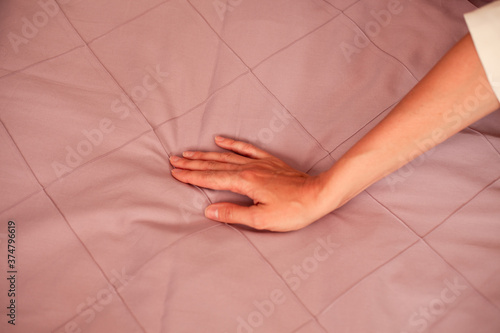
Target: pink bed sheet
96	95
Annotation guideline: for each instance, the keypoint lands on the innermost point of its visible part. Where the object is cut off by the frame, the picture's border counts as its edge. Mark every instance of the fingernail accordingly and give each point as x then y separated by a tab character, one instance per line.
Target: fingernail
188	154
174	158
177	171
212	213
219	138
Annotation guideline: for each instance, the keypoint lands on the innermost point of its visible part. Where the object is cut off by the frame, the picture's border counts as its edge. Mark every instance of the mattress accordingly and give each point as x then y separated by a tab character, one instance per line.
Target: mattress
97	236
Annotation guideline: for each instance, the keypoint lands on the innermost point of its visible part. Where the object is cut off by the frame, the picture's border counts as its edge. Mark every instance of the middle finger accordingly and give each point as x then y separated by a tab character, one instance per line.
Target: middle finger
202	165
226	157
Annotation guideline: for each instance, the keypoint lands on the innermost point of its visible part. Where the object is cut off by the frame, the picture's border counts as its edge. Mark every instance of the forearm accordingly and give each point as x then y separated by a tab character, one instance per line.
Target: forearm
453	95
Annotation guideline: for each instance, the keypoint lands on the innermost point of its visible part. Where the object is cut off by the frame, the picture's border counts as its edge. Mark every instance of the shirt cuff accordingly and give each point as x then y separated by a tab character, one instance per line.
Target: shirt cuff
484	27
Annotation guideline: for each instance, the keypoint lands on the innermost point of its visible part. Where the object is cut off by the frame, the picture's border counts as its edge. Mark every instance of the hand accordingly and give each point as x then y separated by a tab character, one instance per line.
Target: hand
284	199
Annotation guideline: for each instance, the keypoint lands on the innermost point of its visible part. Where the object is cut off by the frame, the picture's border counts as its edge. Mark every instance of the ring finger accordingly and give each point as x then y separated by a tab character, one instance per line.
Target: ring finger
203	165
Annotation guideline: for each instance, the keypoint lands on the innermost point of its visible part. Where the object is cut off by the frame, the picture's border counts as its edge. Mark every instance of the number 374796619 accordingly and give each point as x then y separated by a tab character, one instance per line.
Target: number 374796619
11	248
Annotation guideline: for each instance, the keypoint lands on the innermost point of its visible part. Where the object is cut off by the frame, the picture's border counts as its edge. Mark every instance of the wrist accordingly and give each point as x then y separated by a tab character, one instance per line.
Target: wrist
328	195
342	182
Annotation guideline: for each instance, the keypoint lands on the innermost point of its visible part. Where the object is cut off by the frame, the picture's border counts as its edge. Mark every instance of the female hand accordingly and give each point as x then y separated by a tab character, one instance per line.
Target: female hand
284	199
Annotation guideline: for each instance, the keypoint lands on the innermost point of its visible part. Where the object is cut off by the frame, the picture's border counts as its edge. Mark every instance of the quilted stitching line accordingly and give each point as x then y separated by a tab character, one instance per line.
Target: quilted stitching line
121	24
422	238
257	78
462	206
40	62
211	95
463	277
173	244
84	43
278	276
91	161
27	166
43	189
295	41
351	287
362	127
74	232
379	48
116	291
485	137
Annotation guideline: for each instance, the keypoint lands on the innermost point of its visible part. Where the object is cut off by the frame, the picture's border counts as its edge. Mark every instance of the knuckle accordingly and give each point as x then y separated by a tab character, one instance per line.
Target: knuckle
245	145
259	225
256	221
230	142
226	214
227	156
211	165
248	175
248	148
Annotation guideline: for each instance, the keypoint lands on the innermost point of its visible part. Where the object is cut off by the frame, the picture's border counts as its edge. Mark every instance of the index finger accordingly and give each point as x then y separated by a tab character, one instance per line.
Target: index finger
242	148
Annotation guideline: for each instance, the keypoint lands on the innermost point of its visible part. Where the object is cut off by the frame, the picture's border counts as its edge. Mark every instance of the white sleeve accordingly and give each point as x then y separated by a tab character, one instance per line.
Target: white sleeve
484	27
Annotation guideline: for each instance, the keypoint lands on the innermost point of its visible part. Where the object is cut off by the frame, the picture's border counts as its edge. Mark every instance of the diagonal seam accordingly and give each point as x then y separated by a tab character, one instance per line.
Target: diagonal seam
422	238
58	208
96	263
462	206
121	24
93	160
84	43
379	48
111	75
278	276
487	299
363	126
215	92
41	61
70	227
366	276
250	70
174	243
297	40
485	137
216	60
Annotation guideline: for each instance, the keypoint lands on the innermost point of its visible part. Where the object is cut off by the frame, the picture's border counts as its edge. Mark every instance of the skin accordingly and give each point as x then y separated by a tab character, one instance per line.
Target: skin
285	199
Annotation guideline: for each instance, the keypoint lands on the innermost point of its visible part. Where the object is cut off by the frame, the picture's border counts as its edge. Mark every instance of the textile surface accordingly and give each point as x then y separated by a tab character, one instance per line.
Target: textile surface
96	236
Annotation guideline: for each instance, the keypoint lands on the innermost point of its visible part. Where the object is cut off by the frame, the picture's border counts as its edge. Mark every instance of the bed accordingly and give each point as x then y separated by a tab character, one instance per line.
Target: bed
96	235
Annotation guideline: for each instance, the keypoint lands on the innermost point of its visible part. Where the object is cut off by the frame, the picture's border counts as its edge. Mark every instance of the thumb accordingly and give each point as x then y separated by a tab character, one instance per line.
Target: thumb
229	213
